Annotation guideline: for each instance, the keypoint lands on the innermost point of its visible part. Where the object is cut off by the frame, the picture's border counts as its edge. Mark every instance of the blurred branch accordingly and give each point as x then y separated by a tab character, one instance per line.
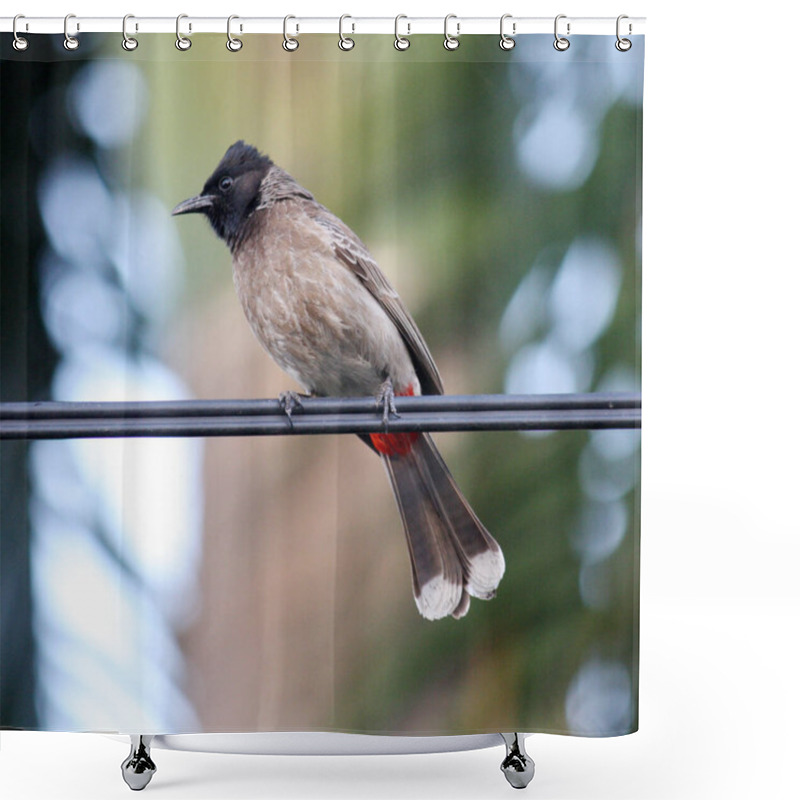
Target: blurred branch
319	415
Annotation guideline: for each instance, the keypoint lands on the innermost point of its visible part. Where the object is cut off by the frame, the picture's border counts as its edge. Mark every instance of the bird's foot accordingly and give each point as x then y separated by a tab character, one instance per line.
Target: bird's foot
385	402
290	402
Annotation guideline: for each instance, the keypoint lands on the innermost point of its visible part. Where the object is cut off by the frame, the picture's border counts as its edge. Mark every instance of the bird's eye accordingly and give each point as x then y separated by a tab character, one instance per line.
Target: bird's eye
225	183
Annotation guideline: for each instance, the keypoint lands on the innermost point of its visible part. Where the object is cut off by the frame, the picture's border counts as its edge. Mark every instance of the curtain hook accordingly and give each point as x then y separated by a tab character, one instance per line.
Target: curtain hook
561	43
70	42
233	44
400	42
128	42
20	43
506	41
451	42
345	42
623	45
182	42
290	43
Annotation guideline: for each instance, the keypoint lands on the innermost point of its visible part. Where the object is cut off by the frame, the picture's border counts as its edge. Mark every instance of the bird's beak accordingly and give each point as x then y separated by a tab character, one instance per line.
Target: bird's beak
193	205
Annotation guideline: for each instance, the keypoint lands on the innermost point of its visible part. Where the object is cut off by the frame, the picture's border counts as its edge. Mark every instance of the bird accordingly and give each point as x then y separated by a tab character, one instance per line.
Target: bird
320	306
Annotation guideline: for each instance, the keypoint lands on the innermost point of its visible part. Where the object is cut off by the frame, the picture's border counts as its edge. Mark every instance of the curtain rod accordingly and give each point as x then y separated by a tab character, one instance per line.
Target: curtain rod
351	25
319	415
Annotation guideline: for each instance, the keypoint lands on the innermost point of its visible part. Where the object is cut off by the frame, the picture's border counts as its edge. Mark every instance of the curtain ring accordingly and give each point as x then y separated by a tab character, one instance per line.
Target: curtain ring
70	42
623	45
20	43
290	43
128	42
345	42
182	42
400	42
506	41
451	42
233	44
561	43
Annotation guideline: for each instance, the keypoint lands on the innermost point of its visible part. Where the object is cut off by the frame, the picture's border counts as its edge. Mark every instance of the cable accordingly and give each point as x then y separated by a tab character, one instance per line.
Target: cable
318	415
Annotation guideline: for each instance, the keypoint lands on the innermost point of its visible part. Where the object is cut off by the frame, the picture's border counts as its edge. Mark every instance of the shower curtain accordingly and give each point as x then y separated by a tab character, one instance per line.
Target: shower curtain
262	583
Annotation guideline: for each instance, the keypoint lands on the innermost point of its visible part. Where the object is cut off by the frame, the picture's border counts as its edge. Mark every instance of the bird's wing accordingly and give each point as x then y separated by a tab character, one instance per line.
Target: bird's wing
352	252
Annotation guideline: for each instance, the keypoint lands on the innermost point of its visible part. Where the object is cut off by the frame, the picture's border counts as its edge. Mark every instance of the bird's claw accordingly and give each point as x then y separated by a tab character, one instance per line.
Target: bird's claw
291	401
385	401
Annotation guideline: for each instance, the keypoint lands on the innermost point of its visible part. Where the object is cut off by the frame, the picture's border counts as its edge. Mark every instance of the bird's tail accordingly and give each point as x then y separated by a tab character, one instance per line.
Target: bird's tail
452	555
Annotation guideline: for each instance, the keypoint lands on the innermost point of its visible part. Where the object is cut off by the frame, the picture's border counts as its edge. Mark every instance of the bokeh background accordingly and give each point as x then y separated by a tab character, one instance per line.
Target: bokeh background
263	584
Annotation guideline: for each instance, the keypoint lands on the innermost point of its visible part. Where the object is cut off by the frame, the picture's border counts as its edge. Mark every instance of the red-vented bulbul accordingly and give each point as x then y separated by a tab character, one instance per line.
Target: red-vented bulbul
317	302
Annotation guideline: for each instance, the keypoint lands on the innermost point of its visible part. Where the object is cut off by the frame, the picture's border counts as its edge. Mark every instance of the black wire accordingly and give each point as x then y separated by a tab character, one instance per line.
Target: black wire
319	415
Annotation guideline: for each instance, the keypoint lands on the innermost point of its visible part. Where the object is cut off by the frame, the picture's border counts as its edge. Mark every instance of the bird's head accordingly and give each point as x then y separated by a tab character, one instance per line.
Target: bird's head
232	192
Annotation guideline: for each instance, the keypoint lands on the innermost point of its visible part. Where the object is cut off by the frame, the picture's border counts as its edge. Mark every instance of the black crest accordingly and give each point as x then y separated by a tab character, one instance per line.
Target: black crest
232	192
240	158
